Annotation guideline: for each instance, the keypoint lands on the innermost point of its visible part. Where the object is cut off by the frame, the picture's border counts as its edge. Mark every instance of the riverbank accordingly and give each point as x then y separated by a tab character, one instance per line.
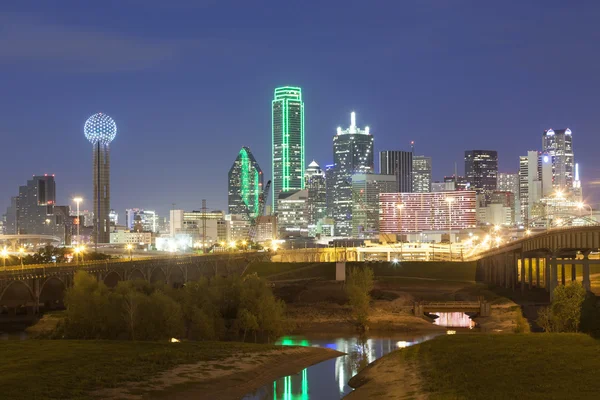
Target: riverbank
71	369
479	366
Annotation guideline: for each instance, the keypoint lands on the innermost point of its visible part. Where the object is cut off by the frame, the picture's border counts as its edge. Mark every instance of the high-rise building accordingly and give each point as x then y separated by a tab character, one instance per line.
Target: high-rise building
481	170
454	183
400	164
34	210
421	174
141	220
245	182
314	182
352	154
113	217
535	181
100	130
366	189
292	218
287	141
558	144
510	183
437	211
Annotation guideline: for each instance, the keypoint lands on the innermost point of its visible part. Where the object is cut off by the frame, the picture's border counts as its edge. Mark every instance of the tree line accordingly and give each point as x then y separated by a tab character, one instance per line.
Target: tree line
219	308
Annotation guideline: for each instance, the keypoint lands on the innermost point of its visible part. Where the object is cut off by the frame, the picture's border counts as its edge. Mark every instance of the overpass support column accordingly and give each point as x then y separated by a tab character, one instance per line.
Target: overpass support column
562	272
506	270
530	274
522	259
553	275
573	272
547	274
537	272
586	272
389	254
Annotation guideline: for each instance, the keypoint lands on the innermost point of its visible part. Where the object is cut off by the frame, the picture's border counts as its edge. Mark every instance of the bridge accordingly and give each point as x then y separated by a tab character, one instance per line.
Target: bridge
31	286
540	260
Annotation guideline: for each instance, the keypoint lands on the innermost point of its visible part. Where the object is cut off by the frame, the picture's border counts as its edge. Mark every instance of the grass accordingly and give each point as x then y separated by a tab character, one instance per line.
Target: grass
533	366
284	271
69	369
457	271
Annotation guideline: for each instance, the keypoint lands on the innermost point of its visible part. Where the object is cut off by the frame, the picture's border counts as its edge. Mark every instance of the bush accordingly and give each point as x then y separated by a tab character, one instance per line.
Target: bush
359	284
564	313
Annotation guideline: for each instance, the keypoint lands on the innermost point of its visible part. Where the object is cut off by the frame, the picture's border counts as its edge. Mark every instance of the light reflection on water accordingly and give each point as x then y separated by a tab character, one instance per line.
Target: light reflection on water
329	379
454	320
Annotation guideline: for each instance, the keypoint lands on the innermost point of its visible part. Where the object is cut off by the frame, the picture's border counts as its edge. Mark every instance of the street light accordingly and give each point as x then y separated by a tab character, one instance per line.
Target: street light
4	256
21	252
78	200
77	250
582	205
129	248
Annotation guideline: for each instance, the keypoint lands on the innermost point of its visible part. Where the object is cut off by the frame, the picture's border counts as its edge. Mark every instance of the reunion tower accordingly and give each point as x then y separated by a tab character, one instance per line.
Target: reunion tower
100	129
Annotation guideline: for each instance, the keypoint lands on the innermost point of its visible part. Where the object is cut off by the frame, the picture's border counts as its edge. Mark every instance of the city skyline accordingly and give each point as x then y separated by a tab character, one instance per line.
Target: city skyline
170	133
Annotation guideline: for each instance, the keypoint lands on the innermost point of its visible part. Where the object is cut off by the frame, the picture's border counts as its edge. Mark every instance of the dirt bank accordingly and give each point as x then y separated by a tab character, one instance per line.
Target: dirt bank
386	378
230	378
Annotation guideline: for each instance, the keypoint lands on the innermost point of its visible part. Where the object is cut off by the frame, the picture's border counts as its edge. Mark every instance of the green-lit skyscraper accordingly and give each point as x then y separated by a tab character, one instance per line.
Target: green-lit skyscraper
245	182
288	141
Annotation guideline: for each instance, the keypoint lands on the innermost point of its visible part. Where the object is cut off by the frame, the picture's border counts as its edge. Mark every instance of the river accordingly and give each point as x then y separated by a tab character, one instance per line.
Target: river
329	379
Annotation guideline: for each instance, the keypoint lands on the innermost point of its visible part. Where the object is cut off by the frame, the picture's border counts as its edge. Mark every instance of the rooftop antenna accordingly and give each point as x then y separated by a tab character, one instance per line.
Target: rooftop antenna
412	146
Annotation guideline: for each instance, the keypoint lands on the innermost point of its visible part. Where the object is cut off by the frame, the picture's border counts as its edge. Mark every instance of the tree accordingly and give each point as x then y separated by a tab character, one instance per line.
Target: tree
359	284
247	322
564	313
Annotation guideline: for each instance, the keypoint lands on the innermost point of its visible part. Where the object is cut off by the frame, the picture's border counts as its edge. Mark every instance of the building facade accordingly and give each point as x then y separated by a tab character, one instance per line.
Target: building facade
352	154
366	189
421	174
195	223
400	164
287	141
314	182
481	170
417	212
292	217
140	220
558	144
244	183
535	182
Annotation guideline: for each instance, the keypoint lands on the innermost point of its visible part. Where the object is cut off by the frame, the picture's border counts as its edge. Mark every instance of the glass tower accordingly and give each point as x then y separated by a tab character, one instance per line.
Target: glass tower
559	145
287	121
352	154
245	182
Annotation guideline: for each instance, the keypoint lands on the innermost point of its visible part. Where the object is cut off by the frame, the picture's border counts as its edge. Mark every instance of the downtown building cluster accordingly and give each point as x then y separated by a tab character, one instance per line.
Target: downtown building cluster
349	198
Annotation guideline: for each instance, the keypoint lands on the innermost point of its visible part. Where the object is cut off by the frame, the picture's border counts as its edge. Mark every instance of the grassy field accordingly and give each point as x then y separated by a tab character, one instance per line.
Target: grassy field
534	366
67	369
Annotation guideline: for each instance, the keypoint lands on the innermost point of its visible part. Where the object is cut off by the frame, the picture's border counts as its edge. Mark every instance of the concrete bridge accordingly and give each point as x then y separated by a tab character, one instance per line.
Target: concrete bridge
318	254
543	260
44	285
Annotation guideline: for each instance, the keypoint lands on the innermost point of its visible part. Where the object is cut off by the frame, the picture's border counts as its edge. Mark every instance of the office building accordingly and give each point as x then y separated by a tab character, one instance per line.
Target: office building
287	141
34	211
510	183
535	181
141	220
292	217
125	236
195	223
266	228
314	182
438	186
101	130
366	189
456	183
417	212
558	144
245	185
421	174
352	154
399	164
481	170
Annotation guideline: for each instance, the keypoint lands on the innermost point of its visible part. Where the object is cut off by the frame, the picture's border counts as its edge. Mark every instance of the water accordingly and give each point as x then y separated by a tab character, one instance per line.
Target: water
454	320
329	379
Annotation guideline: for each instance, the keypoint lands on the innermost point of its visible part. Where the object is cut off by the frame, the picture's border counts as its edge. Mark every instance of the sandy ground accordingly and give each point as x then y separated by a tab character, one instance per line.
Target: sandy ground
230	378
386	378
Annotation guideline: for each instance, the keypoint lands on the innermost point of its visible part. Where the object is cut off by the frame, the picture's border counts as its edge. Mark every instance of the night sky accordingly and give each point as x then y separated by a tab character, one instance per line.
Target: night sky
189	82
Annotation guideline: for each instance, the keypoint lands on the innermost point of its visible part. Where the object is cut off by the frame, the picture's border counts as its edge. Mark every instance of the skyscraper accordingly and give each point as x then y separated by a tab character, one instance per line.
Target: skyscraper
287	141
535	181
559	146
245	182
352	154
400	164
314	181
100	130
366	189
421	174
481	170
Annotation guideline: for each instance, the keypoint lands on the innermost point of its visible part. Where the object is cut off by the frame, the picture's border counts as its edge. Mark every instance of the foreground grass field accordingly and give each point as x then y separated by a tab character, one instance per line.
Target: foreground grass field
67	369
534	366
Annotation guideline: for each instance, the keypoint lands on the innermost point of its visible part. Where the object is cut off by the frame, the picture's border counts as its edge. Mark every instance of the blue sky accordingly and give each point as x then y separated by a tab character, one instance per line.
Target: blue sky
190	82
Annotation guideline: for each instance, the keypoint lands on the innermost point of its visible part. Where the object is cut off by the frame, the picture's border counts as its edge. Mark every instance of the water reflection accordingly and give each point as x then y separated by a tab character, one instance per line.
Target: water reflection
329	379
454	320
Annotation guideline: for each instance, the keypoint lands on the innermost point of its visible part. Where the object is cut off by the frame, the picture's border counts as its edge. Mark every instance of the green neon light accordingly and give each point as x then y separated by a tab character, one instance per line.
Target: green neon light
256	191
244	181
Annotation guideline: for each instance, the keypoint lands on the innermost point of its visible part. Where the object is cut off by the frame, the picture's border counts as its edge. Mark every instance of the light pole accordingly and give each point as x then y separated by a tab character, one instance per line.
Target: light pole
78	200
450	200
21	252
129	247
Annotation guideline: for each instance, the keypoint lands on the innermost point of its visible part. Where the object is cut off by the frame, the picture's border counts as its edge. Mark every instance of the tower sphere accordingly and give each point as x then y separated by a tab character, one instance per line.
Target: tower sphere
100	128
